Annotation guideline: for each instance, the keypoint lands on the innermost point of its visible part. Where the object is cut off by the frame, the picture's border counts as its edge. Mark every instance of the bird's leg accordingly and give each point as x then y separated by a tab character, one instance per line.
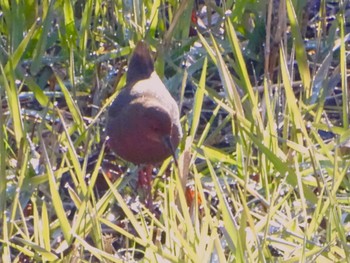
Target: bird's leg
145	185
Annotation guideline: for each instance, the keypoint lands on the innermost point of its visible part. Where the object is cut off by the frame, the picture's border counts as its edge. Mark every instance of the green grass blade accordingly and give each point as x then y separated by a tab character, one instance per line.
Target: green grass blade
197	107
301	56
56	200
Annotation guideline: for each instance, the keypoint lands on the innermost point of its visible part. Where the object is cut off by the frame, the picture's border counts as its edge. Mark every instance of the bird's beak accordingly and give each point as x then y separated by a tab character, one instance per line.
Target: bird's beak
168	143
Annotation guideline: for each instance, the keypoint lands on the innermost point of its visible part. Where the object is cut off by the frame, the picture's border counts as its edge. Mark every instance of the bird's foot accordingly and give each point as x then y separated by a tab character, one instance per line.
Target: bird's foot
144	185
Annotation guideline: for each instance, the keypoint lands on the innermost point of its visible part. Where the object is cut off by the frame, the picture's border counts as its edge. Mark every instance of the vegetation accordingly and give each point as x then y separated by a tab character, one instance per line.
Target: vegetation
263	166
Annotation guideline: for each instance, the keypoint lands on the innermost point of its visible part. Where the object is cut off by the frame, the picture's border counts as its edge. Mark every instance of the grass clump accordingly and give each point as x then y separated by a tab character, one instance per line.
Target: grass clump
264	161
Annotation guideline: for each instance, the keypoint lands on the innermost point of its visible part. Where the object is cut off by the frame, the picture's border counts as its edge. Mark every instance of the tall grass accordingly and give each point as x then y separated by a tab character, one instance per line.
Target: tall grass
263	164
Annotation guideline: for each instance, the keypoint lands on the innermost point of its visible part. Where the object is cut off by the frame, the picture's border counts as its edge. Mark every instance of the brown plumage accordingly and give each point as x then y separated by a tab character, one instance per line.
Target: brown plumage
143	121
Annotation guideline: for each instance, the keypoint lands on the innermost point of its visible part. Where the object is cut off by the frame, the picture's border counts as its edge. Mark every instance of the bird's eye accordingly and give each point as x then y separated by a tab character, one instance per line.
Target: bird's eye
155	128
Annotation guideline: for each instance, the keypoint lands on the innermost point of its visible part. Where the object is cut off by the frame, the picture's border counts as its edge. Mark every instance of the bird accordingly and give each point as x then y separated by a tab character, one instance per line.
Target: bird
143	123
